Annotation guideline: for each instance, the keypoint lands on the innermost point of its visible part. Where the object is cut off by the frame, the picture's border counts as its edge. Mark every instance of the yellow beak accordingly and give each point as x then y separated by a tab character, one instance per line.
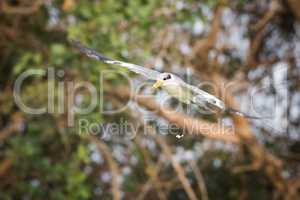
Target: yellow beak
157	84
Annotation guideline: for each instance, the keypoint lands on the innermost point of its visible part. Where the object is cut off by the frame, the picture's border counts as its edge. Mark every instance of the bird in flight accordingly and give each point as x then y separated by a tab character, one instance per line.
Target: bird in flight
169	82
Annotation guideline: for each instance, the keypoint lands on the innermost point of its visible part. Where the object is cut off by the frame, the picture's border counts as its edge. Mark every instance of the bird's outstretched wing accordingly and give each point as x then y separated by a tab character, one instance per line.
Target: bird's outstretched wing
148	73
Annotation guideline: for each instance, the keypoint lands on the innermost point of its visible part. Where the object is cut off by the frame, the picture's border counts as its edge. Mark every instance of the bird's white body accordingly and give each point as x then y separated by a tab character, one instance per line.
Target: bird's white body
178	92
188	94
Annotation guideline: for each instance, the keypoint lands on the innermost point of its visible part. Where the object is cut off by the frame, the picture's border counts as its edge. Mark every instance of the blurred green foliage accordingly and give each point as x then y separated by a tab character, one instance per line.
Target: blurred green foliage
50	160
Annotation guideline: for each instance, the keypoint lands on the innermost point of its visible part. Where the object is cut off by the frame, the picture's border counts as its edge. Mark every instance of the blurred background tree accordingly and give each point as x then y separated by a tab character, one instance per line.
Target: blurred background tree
247	44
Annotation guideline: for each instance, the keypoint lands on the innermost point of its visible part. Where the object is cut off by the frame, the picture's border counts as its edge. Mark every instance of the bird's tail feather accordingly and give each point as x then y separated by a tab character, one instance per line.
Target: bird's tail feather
241	114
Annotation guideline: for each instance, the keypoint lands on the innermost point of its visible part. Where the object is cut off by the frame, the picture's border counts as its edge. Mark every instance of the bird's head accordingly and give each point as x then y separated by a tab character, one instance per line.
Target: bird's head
164	79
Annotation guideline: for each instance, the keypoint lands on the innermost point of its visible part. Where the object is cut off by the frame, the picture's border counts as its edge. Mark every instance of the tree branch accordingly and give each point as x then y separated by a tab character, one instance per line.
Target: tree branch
191	125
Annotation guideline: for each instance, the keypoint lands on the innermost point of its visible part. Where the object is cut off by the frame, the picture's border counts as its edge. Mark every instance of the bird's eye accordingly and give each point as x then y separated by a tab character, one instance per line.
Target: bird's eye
167	77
